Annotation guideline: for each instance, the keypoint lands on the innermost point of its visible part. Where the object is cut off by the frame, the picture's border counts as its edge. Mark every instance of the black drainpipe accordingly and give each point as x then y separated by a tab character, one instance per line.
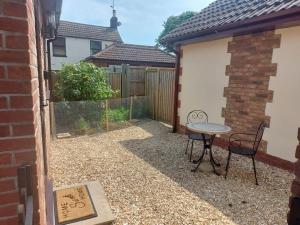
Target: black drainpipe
49	64
50	79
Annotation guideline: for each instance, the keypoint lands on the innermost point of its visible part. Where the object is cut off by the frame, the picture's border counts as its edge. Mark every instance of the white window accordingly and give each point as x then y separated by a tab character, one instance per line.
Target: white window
59	47
96	46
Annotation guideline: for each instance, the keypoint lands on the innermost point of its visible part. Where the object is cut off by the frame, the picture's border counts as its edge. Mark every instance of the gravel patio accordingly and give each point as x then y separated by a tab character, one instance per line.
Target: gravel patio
147	179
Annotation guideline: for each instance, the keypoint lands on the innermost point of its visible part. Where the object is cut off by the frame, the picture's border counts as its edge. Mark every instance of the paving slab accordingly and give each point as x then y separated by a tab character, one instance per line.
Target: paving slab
104	213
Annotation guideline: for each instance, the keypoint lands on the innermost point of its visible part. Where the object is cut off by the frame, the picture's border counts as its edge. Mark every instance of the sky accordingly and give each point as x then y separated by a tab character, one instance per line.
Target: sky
141	20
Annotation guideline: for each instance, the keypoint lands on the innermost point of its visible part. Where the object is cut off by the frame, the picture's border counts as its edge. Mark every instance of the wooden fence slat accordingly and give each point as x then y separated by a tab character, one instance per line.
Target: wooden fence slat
159	86
114	79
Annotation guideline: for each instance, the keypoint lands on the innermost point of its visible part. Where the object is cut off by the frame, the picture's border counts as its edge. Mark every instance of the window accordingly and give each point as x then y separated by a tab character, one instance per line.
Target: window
59	47
96	46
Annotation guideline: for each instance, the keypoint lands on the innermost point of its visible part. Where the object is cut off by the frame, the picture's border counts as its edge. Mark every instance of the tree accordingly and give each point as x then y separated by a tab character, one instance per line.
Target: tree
82	82
171	23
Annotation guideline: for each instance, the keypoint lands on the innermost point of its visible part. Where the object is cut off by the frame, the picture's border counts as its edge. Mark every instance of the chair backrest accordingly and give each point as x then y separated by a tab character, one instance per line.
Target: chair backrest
197	116
259	135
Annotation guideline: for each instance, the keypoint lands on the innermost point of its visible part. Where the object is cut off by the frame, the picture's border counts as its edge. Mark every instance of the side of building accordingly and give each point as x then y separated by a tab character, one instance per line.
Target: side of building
24	114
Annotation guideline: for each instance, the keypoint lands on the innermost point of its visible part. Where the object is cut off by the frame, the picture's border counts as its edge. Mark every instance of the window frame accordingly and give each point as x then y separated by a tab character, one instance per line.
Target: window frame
59	46
92	49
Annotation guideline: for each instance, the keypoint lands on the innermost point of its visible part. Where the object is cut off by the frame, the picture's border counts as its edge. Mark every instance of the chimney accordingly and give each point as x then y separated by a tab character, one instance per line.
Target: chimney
114	23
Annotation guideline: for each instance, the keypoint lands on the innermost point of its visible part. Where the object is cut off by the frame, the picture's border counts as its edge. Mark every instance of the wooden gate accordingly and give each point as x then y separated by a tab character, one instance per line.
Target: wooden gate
160	87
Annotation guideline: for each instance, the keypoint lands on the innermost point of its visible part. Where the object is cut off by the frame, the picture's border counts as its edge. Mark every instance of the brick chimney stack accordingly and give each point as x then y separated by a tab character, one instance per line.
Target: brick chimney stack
114	23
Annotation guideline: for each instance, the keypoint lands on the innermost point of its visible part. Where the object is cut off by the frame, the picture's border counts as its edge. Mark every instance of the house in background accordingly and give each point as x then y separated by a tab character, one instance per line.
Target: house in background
134	55
76	41
240	62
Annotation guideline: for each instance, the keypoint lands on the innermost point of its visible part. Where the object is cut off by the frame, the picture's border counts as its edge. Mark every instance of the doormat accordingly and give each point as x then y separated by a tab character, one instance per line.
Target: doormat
73	205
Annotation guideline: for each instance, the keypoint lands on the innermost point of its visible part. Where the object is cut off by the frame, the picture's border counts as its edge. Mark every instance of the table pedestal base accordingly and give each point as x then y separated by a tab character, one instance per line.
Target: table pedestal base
208	149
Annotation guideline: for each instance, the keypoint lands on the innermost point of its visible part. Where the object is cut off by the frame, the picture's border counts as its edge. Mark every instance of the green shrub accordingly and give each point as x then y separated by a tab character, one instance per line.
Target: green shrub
81	125
118	115
82	82
115	115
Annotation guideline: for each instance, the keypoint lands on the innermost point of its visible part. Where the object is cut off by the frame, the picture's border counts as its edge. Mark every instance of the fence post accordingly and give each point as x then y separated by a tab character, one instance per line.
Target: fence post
130	112
157	103
52	121
124	81
106	114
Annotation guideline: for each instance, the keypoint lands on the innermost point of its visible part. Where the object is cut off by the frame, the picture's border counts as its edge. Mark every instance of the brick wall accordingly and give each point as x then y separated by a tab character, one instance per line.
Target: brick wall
179	127
249	75
20	123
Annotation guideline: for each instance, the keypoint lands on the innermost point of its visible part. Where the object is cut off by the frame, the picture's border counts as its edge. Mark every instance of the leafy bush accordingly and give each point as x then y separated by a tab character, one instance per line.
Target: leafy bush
81	125
115	115
82	82
118	115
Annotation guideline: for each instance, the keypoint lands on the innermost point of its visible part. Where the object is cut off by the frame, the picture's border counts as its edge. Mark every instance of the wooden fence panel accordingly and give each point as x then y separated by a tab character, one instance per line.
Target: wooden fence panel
136	79
114	79
151	89
166	94
160	86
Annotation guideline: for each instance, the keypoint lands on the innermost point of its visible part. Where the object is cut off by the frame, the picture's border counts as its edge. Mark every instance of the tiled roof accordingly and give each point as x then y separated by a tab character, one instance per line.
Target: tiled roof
79	30
134	53
223	12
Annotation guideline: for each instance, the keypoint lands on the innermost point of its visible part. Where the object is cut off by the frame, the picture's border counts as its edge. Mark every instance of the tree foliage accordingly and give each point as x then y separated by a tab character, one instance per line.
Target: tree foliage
171	23
82	82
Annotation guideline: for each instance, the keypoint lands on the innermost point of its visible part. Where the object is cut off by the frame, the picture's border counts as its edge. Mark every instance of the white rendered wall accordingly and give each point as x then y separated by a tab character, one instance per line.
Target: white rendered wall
285	108
77	49
203	79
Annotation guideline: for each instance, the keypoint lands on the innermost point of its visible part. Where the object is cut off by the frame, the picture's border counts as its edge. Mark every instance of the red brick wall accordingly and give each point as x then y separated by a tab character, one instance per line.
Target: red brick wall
20	123
249	75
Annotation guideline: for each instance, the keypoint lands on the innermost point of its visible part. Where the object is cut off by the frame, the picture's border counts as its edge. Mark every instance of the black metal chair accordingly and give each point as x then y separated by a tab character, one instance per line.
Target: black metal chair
196	116
246	145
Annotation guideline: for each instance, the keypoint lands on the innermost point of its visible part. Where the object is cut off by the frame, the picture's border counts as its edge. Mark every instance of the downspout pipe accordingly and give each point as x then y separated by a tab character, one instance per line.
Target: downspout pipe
50	81
176	94
49	41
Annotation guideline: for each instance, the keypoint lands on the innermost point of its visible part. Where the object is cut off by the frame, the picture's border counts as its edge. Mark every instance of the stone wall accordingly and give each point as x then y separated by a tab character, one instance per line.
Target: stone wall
249	75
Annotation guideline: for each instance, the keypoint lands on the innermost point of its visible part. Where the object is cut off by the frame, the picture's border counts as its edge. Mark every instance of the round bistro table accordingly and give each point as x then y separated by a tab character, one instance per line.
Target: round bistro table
211	129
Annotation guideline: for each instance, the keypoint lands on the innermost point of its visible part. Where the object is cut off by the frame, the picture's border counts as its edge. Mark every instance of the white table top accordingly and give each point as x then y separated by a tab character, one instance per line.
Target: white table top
208	128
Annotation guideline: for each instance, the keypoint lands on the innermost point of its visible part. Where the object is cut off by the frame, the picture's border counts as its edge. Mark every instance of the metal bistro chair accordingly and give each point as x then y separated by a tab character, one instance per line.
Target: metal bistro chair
196	116
237	146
